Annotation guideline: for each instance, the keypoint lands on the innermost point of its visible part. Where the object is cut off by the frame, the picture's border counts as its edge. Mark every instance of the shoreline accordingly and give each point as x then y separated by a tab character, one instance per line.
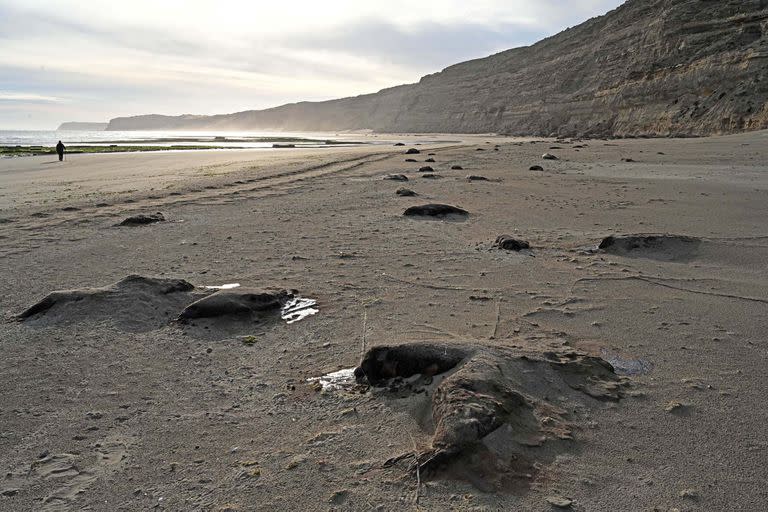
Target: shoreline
27	151
171	144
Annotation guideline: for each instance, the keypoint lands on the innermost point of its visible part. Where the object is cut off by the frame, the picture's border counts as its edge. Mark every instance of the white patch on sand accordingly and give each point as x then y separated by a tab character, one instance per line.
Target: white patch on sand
298	309
230	286
335	381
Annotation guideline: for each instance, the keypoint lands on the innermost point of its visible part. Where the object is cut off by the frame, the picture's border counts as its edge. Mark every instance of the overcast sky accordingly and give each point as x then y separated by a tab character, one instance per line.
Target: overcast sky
85	60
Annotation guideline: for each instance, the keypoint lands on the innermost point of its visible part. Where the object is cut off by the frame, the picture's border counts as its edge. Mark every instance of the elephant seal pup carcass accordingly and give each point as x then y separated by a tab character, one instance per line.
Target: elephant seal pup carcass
491	405
237	302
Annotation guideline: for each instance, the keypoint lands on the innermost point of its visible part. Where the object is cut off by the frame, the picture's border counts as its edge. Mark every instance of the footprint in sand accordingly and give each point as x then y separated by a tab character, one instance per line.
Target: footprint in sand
75	481
68	474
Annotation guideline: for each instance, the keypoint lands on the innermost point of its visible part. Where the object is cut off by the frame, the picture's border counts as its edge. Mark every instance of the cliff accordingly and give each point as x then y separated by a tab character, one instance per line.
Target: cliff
647	68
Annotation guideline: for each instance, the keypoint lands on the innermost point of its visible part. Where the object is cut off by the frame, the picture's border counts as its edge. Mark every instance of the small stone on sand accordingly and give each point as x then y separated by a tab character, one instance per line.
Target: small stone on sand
559	502
689	494
675	407
339	497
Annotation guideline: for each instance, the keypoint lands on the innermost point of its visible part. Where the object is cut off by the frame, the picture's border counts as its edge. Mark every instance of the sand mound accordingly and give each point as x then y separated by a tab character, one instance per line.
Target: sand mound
135	303
491	404
656	247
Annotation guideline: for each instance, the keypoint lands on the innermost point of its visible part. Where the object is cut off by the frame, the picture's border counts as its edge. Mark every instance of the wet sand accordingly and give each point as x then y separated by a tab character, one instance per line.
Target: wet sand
116	406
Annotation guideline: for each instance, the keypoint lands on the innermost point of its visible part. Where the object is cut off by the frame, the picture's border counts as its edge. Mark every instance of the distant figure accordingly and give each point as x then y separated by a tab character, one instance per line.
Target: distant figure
60	150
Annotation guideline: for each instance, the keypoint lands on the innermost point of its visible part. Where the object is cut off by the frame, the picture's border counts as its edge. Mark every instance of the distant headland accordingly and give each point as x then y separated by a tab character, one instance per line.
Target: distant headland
93	127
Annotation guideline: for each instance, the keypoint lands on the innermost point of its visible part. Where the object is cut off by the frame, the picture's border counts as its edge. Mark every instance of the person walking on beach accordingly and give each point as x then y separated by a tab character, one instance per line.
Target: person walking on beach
60	150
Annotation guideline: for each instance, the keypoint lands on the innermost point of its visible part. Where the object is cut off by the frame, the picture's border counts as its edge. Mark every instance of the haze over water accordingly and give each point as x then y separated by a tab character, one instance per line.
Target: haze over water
174	138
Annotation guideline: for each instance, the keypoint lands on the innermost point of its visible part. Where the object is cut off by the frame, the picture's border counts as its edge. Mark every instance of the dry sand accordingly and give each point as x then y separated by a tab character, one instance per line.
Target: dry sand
107	404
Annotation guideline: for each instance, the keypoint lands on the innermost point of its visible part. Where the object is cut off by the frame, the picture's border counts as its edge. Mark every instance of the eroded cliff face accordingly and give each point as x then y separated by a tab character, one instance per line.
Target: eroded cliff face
648	68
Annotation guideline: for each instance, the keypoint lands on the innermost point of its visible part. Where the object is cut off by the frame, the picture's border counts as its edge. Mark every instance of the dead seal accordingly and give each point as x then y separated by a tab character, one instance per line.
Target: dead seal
396	177
143	219
509	243
236	302
435	210
489	403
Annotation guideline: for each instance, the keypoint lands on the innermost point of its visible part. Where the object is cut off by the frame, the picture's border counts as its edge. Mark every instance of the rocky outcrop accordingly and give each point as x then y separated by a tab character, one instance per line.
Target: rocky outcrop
648	68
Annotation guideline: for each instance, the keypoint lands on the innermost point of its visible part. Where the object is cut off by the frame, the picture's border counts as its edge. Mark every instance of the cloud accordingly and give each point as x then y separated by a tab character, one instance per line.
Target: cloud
426	45
28	97
202	56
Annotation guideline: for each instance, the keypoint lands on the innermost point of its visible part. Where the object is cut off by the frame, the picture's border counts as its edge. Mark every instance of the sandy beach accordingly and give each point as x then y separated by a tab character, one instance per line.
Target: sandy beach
112	404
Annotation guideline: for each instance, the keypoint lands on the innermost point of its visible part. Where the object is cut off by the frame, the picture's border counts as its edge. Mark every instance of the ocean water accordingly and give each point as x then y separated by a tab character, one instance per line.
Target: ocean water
169	138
